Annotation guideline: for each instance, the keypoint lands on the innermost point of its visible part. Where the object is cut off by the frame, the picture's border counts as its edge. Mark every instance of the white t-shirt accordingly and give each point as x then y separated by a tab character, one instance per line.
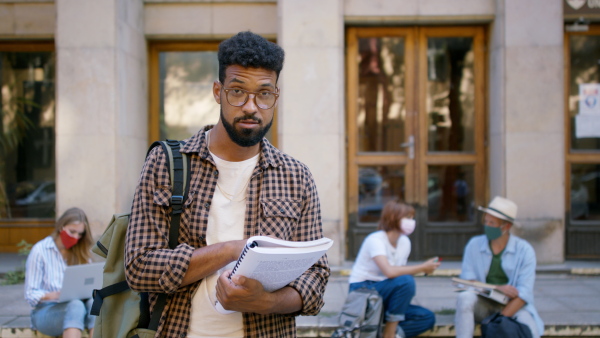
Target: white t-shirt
378	244
225	223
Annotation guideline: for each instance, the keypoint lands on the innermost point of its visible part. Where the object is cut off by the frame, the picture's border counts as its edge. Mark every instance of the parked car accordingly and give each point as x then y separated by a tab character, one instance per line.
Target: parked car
36	199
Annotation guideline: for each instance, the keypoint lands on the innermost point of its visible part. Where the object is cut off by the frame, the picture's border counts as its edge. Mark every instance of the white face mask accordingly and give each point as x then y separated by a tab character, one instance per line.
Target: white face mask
407	226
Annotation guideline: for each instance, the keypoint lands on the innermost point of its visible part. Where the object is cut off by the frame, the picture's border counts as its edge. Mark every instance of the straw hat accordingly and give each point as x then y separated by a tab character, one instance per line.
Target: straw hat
502	208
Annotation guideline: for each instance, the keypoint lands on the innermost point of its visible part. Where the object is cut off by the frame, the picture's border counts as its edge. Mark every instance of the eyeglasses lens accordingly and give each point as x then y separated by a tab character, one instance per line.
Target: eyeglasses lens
237	98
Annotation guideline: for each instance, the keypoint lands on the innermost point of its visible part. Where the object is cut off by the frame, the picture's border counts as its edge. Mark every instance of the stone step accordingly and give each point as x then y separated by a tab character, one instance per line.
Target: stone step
447	331
441	331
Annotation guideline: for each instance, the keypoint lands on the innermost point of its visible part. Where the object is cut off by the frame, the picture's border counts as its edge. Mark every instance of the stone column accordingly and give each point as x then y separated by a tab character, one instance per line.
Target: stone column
101	112
311	109
526	128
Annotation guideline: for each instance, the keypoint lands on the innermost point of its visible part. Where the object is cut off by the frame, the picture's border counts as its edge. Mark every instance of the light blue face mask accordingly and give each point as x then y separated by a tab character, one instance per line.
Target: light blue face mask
492	233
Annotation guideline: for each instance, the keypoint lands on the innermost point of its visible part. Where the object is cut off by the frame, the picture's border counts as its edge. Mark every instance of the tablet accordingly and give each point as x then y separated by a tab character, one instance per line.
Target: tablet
80	281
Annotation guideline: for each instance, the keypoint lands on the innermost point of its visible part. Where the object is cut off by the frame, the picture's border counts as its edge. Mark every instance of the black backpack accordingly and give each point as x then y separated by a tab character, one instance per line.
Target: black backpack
361	315
123	313
499	326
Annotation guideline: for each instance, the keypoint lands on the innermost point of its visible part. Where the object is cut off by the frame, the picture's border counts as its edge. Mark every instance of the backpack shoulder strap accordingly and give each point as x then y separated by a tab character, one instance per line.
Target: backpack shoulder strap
178	165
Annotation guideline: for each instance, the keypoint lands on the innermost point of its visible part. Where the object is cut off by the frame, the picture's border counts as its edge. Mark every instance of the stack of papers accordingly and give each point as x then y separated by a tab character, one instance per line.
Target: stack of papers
482	289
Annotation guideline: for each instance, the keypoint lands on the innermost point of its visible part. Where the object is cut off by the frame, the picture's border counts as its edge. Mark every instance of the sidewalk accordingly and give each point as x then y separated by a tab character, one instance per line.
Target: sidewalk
567	297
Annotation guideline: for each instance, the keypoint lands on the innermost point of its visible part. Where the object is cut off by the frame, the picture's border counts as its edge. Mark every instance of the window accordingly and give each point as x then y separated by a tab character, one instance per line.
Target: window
582	118
27	110
181	81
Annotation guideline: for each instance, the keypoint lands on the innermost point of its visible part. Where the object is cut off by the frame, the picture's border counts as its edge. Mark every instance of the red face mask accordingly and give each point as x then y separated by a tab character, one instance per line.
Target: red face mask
67	240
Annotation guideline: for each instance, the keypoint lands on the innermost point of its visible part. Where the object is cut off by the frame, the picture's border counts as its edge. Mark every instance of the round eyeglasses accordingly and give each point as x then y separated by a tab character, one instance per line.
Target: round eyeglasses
238	97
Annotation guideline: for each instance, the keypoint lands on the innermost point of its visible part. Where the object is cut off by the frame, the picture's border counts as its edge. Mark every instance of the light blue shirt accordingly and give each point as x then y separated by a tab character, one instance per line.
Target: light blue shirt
44	270
518	262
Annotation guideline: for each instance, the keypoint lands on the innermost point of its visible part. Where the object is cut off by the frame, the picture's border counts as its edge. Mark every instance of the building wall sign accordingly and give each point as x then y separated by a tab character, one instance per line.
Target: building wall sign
578	8
587	122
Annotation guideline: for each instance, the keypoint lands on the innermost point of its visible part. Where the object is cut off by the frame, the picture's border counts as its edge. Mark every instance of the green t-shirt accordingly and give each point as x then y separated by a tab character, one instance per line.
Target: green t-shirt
496	275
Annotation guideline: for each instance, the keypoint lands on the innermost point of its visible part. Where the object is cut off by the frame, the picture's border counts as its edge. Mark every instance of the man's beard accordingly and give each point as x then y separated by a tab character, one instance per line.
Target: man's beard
245	137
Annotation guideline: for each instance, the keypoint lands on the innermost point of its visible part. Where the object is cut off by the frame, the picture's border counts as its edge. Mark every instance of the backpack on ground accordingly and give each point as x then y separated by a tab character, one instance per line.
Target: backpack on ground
361	315
123	313
498	326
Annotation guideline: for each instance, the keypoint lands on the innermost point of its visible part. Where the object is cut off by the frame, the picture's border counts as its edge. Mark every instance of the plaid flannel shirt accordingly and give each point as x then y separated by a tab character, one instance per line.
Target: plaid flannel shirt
282	201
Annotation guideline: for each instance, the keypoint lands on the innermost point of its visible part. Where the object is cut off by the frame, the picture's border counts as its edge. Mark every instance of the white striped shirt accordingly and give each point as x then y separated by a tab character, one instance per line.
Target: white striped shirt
44	270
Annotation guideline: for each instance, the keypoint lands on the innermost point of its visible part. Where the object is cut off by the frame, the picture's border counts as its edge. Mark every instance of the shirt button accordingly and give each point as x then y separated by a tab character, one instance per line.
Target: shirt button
182	335
206	205
282	210
215	173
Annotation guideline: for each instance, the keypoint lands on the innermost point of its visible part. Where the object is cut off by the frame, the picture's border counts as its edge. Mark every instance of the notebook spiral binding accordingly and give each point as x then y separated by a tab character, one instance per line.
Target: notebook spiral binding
239	261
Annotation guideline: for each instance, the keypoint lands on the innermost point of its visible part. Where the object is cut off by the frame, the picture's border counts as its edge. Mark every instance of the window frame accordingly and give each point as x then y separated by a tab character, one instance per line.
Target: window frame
29	229
154	49
575	230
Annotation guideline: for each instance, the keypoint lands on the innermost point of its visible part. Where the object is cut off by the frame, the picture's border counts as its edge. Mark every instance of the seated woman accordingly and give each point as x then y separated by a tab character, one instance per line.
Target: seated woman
69	244
381	265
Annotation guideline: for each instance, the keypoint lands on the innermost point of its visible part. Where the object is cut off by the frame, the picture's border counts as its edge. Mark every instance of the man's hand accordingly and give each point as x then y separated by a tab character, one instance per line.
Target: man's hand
241	294
248	295
508	290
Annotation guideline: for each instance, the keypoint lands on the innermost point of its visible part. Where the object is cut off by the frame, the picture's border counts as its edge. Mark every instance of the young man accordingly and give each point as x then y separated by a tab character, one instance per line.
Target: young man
501	259
240	186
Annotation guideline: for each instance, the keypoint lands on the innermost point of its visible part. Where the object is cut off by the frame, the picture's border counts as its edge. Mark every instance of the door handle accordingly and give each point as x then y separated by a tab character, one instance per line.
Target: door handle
410	145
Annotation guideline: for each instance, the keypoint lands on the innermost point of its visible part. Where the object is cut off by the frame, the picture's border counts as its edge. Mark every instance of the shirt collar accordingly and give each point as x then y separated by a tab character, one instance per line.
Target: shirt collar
49	244
510	246
269	156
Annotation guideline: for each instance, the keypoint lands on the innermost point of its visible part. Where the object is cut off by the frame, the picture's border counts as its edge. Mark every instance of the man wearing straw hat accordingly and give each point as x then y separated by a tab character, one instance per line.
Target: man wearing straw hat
502	259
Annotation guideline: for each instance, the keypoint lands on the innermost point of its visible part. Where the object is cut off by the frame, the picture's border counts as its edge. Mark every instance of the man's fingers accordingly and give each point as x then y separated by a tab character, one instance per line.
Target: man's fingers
239	280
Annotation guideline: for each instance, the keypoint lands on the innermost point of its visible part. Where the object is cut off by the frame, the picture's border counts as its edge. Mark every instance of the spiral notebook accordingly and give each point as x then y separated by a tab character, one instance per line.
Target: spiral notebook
275	262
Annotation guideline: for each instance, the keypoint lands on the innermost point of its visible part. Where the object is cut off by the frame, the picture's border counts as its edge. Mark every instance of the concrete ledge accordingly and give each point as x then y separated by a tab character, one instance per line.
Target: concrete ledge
586	271
540	270
12	332
572	330
549	331
442	331
447	331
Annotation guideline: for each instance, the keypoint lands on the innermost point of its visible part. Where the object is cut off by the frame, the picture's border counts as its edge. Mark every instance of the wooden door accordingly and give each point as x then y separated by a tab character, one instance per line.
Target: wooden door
416	132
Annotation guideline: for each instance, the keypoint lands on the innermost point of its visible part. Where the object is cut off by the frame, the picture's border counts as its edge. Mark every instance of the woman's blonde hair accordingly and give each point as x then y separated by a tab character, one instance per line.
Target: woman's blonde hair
80	252
392	213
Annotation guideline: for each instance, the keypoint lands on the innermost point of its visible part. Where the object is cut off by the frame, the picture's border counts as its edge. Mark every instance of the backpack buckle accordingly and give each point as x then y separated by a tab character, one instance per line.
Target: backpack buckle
173	143
176	200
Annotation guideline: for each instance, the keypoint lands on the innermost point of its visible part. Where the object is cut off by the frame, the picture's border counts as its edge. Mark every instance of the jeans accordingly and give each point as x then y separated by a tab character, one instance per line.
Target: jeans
51	318
471	308
397	294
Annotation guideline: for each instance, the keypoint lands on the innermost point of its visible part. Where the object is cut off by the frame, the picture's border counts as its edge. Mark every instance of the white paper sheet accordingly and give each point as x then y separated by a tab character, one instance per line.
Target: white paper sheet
587	125
589	99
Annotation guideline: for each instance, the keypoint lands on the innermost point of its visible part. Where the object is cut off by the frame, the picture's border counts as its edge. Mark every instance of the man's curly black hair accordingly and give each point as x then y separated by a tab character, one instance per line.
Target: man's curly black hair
249	50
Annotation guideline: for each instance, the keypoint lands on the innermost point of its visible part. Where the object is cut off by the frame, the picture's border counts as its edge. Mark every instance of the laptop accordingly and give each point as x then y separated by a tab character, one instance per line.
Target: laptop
80	281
